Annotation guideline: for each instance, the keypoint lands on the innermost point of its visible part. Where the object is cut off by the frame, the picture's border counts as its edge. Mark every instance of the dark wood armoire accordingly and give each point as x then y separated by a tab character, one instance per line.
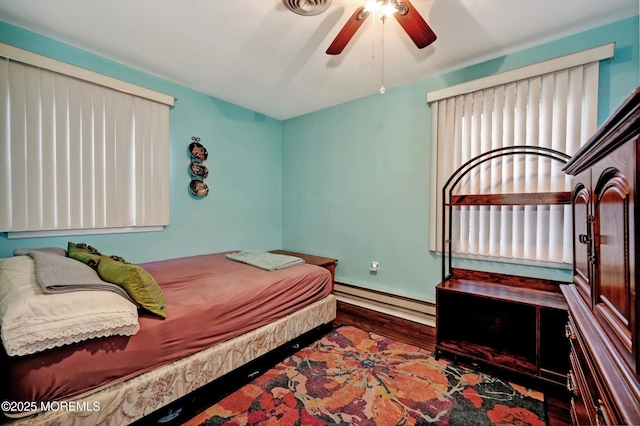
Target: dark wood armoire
603	299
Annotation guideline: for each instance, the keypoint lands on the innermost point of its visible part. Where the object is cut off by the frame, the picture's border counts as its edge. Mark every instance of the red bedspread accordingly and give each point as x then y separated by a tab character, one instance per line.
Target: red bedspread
210	299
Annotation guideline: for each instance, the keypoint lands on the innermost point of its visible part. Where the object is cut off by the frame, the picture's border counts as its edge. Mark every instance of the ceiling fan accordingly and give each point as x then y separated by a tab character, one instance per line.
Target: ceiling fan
404	12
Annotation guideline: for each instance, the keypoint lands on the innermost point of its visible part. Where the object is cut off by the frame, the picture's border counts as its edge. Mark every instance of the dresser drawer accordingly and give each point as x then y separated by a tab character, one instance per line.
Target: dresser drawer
582	407
588	406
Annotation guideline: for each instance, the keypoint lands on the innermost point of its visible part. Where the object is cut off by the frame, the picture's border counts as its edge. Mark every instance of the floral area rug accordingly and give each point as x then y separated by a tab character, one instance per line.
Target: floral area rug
353	377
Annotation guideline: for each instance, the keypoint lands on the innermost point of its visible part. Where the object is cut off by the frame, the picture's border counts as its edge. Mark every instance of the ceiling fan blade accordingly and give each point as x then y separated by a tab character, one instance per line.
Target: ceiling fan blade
347	31
415	26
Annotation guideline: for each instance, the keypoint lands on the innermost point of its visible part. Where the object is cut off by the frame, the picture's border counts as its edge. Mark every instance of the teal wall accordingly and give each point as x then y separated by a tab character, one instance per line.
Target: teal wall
243	208
350	182
356	176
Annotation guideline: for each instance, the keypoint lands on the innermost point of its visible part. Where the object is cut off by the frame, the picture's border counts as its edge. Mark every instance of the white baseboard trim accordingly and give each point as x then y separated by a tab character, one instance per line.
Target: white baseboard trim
410	309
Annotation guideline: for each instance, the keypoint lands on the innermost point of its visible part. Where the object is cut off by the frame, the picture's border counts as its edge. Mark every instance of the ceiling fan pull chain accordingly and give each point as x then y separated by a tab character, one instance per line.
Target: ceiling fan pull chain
373	37
382	88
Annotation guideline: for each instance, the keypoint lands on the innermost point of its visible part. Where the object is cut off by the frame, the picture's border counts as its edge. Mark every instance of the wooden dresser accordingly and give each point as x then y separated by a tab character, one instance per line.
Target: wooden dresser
603	299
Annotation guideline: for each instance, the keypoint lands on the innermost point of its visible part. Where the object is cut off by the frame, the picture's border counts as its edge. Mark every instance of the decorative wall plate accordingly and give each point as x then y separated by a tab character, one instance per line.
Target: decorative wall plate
198	169
199	188
198	151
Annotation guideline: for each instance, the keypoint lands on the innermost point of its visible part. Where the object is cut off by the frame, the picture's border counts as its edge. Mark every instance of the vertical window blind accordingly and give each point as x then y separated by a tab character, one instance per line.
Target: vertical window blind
79	155
555	109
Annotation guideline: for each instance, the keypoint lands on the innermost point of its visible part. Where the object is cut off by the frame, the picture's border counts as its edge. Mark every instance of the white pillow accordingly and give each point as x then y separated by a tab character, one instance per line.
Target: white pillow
32	321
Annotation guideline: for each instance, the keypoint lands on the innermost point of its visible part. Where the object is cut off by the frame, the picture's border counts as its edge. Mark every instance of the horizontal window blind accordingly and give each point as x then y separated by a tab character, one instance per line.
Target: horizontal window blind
556	110
77	155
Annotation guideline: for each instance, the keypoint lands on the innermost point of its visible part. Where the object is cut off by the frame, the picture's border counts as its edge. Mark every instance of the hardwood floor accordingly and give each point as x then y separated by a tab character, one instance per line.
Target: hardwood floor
425	337
386	325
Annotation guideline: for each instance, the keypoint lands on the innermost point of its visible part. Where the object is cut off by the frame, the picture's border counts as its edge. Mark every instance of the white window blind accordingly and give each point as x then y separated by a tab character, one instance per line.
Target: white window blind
551	105
78	155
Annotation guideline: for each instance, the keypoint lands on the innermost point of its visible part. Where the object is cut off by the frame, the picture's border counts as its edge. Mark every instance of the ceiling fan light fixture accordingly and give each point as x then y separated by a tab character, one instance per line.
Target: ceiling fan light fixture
307	7
384	8
404	12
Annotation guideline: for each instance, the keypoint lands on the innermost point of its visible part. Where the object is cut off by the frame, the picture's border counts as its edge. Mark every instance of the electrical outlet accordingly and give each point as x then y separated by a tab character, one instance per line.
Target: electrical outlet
374	266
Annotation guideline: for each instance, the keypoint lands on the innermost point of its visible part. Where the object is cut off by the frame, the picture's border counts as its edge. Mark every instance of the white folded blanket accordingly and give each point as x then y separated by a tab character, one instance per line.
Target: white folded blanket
264	259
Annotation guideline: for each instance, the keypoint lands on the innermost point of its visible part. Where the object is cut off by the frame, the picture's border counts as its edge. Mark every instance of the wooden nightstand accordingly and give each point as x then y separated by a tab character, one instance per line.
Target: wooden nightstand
324	262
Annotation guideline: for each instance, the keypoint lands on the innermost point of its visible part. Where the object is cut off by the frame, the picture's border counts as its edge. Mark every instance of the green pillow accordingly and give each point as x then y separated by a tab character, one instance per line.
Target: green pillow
138	283
84	253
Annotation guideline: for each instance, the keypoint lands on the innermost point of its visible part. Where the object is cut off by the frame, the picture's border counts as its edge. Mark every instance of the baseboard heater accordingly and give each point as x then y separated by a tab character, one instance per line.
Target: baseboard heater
419	311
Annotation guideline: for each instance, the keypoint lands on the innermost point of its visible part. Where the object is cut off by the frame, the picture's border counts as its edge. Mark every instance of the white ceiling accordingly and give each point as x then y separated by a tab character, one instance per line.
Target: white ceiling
261	56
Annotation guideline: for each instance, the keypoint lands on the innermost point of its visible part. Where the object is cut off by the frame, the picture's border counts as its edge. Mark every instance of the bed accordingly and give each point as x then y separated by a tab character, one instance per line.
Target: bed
221	315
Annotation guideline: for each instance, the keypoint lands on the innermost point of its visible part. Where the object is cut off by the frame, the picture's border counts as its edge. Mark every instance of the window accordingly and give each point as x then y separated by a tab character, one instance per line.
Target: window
551	104
79	150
